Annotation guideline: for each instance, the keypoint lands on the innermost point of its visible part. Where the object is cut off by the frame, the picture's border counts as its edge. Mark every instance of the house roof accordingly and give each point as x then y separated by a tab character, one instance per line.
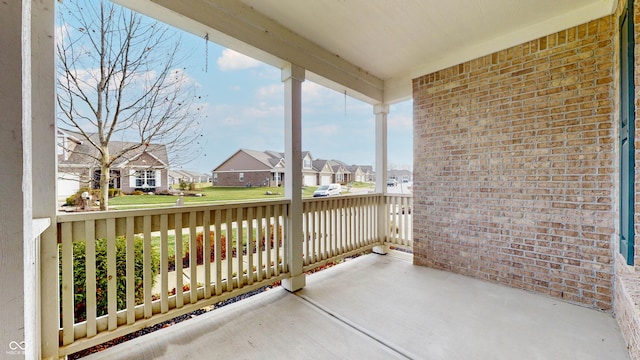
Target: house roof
179	173
83	153
372	49
337	165
366	168
320	164
396	173
270	159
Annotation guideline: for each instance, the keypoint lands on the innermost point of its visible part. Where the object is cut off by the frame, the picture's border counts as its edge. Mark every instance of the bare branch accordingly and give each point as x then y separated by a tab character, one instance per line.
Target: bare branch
119	81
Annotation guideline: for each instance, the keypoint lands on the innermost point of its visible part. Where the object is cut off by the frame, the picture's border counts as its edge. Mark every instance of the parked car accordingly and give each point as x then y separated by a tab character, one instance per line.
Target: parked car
328	190
392	182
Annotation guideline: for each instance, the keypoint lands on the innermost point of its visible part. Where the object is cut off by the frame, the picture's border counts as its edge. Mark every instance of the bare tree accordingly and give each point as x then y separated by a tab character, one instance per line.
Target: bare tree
119	80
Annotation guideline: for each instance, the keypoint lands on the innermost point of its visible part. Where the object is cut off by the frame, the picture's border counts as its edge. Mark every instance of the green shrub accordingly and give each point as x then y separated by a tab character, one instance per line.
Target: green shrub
115	192
71	200
79	276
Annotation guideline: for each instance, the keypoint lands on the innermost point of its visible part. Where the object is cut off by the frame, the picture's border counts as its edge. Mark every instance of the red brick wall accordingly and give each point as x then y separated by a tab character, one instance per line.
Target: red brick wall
627	282
255	178
515	165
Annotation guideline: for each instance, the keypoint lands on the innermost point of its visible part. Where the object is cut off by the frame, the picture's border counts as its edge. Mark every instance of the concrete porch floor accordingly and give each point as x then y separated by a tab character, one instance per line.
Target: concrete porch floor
383	307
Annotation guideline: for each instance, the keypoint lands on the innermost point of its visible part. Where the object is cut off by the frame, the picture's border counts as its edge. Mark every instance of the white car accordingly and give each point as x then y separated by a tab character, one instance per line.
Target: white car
328	190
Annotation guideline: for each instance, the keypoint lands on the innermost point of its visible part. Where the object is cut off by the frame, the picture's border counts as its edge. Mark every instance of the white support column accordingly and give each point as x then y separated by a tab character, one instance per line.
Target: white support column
44	181
15	181
293	76
381	111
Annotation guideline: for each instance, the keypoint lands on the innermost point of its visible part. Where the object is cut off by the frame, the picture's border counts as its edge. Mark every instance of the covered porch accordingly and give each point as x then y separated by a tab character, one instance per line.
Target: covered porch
522	179
383	307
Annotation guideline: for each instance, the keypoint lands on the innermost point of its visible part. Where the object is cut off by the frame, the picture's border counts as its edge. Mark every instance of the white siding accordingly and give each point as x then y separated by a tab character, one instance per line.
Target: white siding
132	178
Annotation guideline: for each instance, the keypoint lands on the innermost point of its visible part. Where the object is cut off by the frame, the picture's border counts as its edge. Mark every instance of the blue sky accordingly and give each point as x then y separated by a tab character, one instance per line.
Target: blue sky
244	109
243	102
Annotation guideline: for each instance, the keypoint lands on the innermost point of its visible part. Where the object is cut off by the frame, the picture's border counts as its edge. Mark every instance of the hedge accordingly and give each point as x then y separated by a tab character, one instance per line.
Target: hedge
79	276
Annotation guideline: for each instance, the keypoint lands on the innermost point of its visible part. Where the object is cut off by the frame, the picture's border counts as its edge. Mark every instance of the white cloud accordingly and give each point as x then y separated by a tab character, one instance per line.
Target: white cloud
232	121
232	60
264	110
401	122
317	95
324	130
62	32
271	91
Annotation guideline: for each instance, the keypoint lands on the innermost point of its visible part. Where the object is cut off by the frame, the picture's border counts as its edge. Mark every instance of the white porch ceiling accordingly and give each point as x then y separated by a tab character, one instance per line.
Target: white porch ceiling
371	48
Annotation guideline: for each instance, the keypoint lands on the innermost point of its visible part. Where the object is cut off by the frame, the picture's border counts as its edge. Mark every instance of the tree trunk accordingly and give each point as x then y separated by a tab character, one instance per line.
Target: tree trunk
104	180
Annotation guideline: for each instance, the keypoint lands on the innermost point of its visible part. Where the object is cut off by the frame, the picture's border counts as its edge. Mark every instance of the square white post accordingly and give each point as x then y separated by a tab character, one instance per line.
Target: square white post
44	179
292	77
381	111
17	272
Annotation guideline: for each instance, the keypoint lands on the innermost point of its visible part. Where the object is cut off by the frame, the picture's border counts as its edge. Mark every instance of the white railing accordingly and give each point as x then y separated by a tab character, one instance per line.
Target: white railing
134	271
335	227
399	227
234	259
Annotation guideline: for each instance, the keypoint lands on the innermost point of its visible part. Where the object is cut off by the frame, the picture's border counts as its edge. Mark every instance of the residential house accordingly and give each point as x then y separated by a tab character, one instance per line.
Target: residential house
340	173
400	175
250	168
325	172
368	173
357	173
266	168
309	174
524	141
177	176
142	168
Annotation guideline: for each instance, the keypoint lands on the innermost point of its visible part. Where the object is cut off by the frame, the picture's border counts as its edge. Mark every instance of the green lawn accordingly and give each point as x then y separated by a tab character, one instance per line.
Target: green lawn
209	195
212	194
171	240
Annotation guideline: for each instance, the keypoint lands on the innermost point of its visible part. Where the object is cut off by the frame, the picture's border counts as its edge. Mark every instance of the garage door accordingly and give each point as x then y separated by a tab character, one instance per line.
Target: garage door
310	180
325	180
68	184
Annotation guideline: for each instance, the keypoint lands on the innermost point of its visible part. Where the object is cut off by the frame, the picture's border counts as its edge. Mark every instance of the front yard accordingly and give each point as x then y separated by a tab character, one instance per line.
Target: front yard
210	194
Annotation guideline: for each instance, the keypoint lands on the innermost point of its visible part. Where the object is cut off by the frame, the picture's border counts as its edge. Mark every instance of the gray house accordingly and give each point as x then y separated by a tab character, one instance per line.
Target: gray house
144	168
266	168
176	176
250	168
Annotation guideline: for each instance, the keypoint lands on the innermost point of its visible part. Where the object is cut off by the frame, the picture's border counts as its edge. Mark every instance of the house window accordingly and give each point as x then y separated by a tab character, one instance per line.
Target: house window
241	177
215	178
145	178
306	163
114	179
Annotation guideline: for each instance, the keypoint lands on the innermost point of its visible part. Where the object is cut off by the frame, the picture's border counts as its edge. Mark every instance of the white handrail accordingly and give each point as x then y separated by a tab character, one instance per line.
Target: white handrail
246	250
